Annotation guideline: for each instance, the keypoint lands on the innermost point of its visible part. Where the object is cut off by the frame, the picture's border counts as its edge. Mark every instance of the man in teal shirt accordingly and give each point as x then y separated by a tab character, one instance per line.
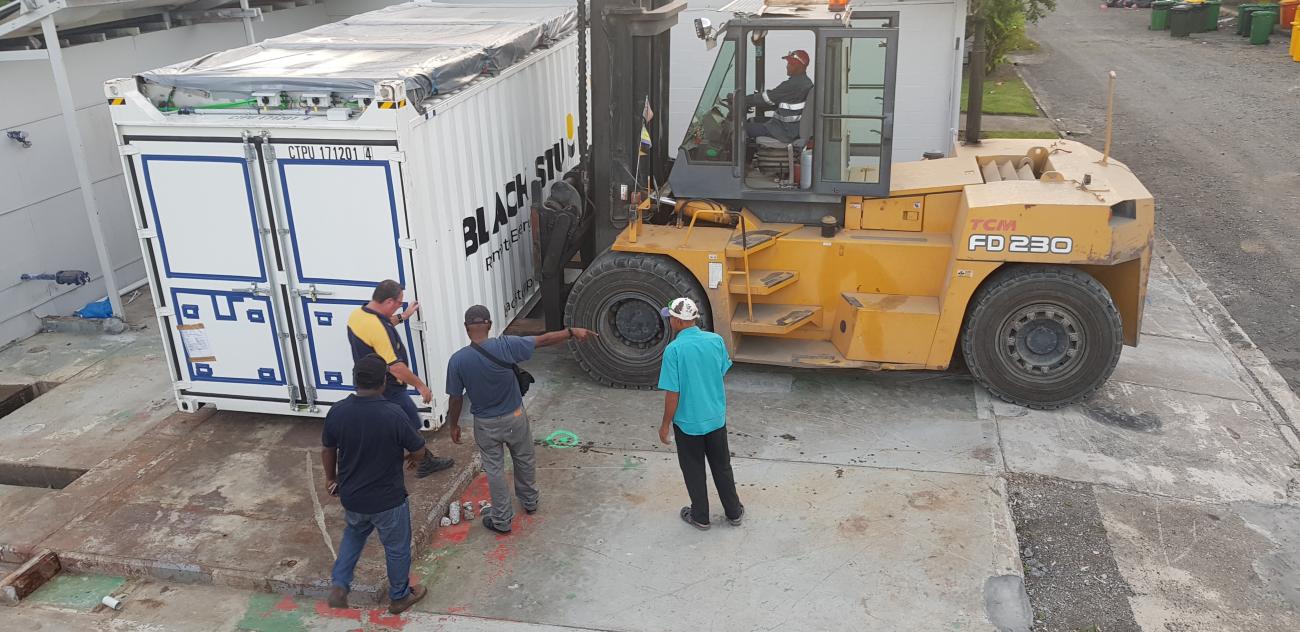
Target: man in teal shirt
695	406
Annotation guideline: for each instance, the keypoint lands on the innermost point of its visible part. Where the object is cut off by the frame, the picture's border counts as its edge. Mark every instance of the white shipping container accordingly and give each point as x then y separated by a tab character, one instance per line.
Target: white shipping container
275	185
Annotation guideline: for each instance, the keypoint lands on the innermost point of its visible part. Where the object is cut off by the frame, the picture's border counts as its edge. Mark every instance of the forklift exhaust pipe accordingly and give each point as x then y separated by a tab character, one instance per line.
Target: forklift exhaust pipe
975	98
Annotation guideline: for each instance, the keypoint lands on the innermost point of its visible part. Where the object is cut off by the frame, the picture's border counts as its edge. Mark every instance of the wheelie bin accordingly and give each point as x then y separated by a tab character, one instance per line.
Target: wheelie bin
1243	17
1160	14
1180	20
1198	16
1212	14
1261	25
1288	8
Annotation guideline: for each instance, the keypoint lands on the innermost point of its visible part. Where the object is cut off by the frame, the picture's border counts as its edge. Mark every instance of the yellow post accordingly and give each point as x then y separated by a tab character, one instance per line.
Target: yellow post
1295	38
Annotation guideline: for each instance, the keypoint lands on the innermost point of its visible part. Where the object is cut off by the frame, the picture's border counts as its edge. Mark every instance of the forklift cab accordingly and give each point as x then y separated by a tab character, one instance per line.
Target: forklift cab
847	123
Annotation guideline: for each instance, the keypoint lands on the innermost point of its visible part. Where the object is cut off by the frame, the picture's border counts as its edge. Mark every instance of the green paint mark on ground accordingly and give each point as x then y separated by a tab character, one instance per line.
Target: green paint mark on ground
76	592
570	596
430	567
269	613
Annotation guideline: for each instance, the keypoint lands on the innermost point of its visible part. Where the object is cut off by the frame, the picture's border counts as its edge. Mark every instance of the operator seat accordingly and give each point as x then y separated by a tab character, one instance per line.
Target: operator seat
778	159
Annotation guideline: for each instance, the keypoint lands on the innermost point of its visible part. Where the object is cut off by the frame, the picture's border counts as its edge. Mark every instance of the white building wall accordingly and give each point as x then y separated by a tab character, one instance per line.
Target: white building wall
43	226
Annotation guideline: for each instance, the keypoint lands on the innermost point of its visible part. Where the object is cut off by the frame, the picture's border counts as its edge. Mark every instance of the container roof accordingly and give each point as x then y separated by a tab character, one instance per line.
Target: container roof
435	48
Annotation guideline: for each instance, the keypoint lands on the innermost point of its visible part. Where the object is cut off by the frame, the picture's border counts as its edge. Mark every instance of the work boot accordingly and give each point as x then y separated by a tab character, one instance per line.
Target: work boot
432	464
398	607
338	597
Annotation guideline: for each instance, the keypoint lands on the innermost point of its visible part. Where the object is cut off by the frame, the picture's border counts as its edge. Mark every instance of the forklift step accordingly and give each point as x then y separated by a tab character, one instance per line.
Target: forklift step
763	282
772	319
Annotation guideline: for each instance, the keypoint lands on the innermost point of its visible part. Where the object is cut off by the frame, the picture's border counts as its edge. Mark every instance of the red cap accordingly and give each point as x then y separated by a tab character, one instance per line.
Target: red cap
800	56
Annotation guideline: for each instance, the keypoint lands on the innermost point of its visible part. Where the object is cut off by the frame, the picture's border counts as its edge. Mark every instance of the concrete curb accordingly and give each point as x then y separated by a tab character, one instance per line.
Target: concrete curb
1280	402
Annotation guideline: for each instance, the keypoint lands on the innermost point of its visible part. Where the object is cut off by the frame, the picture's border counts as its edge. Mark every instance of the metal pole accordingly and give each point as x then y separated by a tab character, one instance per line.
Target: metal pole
248	22
975	89
60	73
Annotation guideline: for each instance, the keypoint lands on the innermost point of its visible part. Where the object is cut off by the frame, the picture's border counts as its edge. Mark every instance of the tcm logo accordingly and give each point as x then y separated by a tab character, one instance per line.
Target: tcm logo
548	166
991	225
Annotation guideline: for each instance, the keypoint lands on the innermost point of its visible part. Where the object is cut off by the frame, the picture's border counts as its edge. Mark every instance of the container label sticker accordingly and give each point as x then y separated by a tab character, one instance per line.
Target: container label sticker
197	346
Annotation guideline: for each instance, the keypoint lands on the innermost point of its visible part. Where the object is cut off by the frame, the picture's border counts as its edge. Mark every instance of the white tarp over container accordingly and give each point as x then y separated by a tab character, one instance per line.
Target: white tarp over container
267	220
436	48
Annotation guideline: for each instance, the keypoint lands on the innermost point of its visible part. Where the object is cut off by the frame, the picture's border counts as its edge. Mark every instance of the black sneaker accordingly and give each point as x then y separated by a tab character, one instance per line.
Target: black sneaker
735	522
432	464
487	524
686	517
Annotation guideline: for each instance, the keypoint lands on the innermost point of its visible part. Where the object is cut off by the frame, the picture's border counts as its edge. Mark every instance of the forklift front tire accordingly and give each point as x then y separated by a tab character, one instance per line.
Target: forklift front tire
619	297
1042	336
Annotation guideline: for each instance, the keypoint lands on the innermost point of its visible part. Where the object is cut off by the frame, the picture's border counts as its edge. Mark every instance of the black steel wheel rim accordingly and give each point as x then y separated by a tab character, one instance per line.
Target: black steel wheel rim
1042	342
631	319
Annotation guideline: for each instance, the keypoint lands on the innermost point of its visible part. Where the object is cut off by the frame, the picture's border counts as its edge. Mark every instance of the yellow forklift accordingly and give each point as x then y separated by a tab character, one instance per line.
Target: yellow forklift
1029	257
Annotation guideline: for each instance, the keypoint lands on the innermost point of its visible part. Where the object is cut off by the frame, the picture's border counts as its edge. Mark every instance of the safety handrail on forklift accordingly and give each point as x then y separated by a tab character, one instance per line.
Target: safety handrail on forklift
744	251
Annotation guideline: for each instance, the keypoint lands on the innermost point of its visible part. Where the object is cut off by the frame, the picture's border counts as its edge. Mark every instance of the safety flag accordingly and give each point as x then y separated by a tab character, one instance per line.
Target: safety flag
645	140
646	113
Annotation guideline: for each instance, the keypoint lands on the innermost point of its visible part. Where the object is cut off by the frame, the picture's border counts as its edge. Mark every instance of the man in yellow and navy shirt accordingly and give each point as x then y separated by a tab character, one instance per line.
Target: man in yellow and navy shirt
372	329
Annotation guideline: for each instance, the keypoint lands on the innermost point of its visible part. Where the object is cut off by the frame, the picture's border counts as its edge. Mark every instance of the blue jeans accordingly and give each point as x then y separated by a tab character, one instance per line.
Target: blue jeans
394	527
401	398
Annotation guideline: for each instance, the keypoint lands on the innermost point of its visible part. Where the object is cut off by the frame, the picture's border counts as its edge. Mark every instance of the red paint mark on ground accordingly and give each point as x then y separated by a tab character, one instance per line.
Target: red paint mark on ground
381	617
502	552
476	491
454	534
323	609
287	604
457	610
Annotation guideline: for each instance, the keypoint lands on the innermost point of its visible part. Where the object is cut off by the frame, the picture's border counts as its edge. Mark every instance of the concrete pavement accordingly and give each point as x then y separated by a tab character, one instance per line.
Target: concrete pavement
874	501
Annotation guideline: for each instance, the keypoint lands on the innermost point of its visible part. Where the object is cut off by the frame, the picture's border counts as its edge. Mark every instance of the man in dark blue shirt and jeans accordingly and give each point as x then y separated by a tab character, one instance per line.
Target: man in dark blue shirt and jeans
366	438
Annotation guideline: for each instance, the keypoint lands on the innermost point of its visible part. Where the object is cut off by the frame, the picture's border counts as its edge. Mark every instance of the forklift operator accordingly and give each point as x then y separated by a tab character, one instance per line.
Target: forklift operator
788	99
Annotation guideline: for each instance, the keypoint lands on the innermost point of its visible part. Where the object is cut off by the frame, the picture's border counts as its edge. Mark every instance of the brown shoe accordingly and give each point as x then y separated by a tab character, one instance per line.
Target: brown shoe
398	607
338	597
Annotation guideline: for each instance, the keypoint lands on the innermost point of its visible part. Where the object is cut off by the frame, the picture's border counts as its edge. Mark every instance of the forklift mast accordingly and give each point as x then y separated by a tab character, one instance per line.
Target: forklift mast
629	67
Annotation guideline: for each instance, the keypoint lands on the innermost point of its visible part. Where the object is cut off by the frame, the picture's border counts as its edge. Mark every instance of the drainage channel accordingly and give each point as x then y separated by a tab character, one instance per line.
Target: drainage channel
13	397
25	475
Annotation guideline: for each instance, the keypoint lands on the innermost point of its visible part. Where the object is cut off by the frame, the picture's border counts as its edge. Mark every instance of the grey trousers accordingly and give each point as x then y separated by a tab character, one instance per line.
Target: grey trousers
493	435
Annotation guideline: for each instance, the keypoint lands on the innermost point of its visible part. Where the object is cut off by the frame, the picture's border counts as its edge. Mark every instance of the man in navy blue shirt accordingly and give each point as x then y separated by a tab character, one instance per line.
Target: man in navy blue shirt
366	438
483	369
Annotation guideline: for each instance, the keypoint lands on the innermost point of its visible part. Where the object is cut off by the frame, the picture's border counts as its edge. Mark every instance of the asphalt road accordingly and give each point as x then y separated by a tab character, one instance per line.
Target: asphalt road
1210	125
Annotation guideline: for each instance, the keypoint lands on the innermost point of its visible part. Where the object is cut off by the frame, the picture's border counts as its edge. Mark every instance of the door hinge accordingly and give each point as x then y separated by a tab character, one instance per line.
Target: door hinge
146	233
293	395
128	150
407	244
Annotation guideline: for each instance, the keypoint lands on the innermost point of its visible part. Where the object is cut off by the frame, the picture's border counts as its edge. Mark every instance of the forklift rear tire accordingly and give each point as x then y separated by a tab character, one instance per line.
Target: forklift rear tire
1042	336
619	297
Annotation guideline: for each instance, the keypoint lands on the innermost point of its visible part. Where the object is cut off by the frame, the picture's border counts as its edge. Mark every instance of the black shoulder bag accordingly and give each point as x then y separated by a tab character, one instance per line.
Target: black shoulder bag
524	378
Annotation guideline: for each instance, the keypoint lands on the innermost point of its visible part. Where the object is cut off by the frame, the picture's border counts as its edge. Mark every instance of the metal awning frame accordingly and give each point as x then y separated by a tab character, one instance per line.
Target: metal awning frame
30	13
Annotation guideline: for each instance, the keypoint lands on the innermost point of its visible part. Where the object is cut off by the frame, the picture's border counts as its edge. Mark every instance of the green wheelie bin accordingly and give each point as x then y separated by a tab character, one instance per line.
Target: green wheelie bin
1212	14
1261	25
1243	17
1160	14
1181	20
